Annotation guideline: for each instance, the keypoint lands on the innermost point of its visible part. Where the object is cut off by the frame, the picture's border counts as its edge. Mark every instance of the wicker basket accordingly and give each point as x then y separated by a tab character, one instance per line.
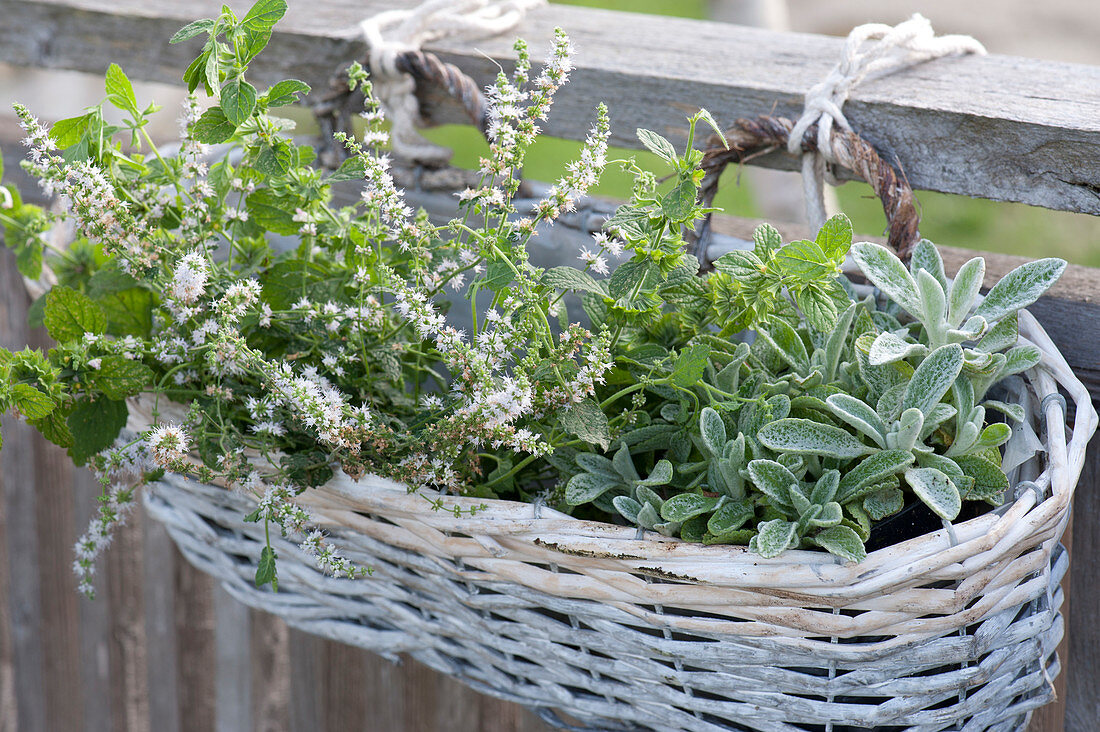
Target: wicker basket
952	630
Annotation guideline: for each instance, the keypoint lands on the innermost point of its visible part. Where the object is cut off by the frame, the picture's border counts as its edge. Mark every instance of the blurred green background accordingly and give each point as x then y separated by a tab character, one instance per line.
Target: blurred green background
949	220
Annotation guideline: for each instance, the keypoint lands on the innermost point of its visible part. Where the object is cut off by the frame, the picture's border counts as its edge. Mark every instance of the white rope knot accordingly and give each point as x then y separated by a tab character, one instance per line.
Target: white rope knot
394	32
891	48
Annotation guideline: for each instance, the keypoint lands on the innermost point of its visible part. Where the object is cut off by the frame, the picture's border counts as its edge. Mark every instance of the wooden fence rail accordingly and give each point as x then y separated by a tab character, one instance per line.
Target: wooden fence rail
163	648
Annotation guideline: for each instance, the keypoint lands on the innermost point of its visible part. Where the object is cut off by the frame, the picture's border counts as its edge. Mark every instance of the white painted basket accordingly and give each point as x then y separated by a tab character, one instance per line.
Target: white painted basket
596	629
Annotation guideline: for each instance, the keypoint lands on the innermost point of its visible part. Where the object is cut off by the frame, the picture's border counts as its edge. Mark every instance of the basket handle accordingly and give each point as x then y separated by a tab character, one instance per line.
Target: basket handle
750	137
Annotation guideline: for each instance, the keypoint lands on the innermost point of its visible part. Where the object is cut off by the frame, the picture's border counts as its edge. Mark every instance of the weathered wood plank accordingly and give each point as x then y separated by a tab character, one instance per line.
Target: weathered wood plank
344	690
128	653
305	659
160	630
1083	624
195	661
271	672
233	669
17	479
60	610
997	127
95	619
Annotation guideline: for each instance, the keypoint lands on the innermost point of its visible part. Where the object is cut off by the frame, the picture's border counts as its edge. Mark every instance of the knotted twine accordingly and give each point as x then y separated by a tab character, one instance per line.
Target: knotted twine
393	32
871	51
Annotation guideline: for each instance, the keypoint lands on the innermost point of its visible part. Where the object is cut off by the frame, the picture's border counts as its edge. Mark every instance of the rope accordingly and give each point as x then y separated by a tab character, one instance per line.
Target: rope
391	33
891	48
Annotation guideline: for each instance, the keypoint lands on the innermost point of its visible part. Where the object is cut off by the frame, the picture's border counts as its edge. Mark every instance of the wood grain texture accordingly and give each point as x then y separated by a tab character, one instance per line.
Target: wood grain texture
160	630
128	649
1083	624
997	127
271	672
195	637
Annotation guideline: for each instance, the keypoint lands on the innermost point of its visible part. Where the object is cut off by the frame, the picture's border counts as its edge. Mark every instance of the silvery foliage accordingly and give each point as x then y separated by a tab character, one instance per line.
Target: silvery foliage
809	436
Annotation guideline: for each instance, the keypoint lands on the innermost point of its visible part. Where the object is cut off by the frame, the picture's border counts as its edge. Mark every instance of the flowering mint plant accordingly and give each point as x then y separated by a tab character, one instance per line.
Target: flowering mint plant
267	368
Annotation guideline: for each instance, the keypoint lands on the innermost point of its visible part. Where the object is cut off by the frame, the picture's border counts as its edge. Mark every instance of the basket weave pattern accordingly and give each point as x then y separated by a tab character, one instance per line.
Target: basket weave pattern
952	630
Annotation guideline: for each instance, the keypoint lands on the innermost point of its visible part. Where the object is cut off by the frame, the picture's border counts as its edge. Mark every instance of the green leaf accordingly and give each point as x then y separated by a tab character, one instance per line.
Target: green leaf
933	300
627	507
192	29
835	238
286	92
257	24
843	542
212	127
883	502
28	258
773	538
807	437
55	429
94	424
860	415
67	132
1020	287
766	239
587	421
119	377
587	487
804	260
120	92
238	100
888	348
265	570
1019	359
690	364
270	211
965	288
657	145
888	274
773	480
933	378
872	470
70	314
818	306
712	430
678	205
989	479
34	404
1005	334
275	159
350	169
684	506
730	517
129	312
571	278
926	257
785	339
995	435
936	490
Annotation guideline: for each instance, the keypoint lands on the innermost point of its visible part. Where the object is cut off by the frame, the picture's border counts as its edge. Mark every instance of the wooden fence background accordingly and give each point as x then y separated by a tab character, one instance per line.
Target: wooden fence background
164	649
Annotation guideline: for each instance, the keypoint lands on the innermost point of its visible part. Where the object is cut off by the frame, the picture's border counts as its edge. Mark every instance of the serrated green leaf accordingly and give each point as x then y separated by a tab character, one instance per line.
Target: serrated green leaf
819	307
129	312
835	238
690	364
587	421
571	278
807	437
118	377
1020	287
265	569
933	377
657	145
70	314
350	169
94	426
269	211
684	506
936	490
257	24
678	205
286	92
33	403
213	127
120	92
888	274
843	542
804	260
67	132
238	101
275	159
766	239
192	29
